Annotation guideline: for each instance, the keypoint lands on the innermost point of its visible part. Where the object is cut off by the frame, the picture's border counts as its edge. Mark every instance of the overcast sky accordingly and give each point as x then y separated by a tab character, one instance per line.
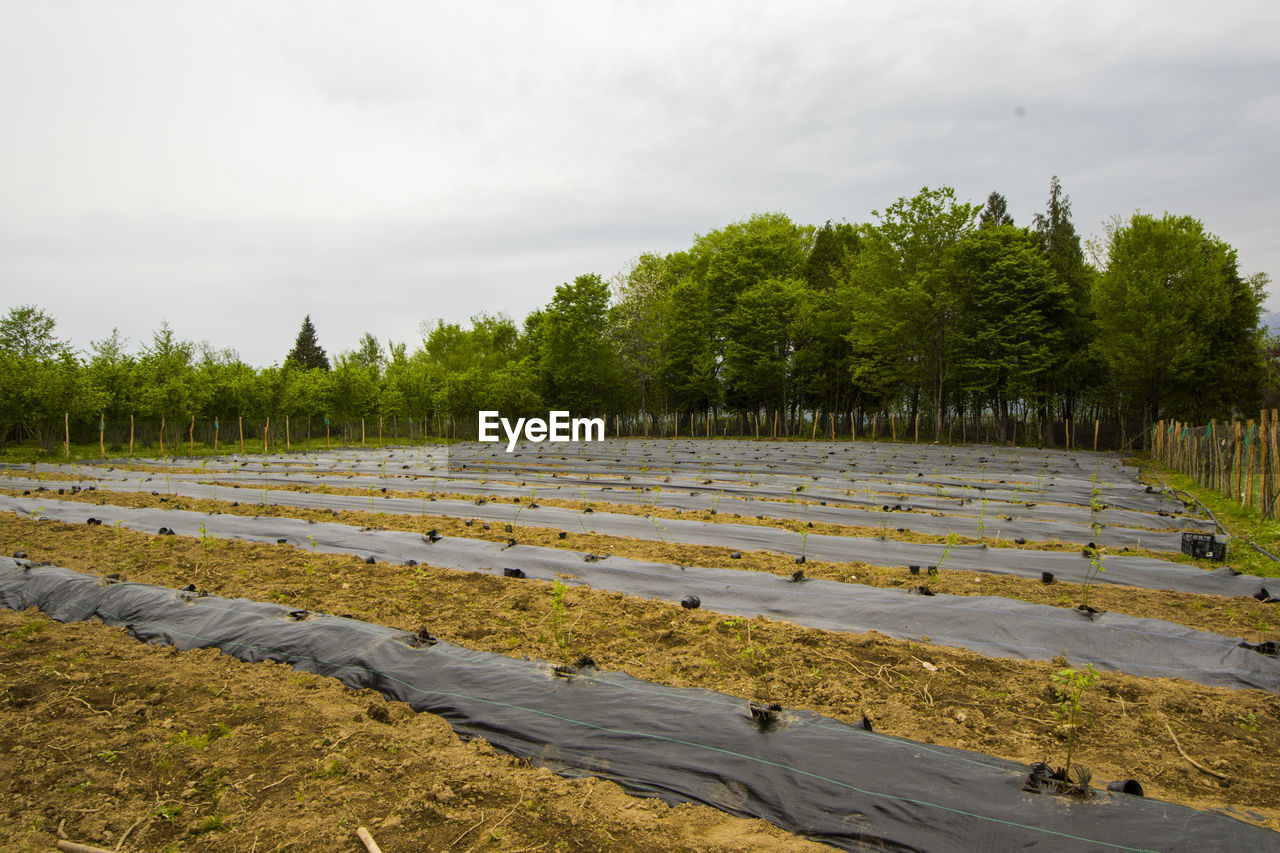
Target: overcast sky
231	167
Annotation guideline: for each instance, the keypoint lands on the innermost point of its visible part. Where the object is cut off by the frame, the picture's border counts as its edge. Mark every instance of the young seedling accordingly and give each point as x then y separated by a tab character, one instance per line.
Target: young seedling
1095	568
559	612
951	539
1071	687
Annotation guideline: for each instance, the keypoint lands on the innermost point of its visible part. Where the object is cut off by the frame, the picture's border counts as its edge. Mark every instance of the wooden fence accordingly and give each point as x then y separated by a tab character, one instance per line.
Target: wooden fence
1240	459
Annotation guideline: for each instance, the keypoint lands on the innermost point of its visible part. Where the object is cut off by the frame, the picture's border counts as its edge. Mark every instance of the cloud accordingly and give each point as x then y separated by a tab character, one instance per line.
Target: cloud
232	168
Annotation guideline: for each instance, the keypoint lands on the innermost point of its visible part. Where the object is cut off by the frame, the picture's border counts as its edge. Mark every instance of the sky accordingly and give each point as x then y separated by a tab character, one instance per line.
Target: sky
229	167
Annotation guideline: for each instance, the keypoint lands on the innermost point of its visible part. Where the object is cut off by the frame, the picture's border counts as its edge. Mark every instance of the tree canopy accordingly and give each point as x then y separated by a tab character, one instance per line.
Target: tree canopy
937	309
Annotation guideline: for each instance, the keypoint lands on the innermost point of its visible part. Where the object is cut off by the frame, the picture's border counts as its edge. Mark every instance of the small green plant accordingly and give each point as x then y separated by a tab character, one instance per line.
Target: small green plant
559	614
951	540
206	538
1071	687
1248	722
334	768
168	811
185	739
1095	568
213	823
107	756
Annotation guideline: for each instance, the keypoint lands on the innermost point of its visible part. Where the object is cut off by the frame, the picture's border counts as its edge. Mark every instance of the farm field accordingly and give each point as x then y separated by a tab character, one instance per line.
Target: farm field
961	653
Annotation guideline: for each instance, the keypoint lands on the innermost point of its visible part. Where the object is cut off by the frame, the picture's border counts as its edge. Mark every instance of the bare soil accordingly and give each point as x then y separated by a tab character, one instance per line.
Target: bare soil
108	741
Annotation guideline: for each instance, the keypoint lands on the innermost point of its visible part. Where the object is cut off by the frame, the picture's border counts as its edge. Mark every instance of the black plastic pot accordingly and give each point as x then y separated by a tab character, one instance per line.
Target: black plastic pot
690	602
1046	577
1126	786
513	573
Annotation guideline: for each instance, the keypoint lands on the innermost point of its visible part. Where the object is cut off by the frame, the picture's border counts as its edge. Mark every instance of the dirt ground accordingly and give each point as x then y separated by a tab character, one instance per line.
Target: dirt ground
64	676
111	742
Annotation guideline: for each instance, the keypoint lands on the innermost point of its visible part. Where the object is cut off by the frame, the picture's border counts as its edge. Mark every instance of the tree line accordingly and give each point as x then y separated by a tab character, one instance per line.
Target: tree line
939	311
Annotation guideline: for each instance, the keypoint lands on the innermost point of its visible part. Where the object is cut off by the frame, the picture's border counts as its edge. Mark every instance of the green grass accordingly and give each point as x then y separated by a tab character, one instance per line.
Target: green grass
1245	524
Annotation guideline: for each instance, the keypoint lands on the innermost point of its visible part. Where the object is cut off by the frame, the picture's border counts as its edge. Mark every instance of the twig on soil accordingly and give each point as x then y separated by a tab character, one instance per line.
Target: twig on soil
73	847
851	665
367	840
277	782
128	831
465	832
62	823
590	790
1191	760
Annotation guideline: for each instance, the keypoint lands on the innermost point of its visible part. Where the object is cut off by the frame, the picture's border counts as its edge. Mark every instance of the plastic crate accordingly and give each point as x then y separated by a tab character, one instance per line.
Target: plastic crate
1202	545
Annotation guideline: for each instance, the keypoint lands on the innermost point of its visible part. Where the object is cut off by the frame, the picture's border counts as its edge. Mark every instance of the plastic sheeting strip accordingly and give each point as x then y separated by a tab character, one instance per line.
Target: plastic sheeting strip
985	624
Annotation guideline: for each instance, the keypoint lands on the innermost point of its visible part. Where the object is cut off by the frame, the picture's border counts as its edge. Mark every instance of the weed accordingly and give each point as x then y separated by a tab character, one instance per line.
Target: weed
1248	722
32	626
107	756
334	768
213	823
168	811
188	740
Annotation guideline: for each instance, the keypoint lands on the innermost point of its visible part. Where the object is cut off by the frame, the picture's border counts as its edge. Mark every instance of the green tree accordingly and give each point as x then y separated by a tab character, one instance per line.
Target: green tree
901	301
307	351
760	344
111	373
41	380
578	364
834	247
1009	298
996	213
689	366
1178	326
733	258
1076	368
636	320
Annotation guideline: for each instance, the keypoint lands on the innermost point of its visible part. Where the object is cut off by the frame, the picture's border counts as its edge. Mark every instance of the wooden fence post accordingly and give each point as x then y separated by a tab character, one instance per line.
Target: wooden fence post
265	428
191	437
287	443
241	424
66	440
215	435
1250	441
1096	423
162	435
1275	468
102	427
131	435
